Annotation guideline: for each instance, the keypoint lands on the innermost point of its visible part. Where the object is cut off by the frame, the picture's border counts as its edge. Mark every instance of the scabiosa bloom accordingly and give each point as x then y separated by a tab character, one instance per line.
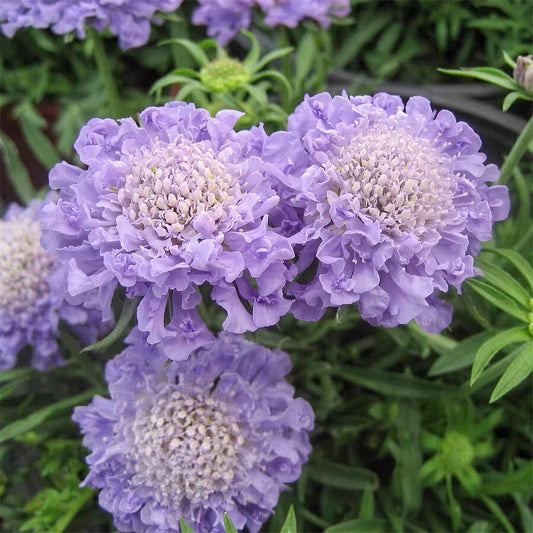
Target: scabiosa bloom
218	432
225	18
32	294
163	208
391	201
128	19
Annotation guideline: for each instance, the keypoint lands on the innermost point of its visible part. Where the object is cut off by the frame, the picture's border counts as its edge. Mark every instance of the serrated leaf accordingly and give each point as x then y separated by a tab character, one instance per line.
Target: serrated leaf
393	384
500	279
16	171
461	356
38	417
342	476
487	74
128	310
185	528
359	526
518	261
228	524
493	345
499	299
520	368
289	526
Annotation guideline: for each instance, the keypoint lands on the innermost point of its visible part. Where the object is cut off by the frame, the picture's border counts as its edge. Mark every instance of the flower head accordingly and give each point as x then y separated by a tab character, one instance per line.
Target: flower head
224	19
391	201
218	432
163	208
128	19
32	293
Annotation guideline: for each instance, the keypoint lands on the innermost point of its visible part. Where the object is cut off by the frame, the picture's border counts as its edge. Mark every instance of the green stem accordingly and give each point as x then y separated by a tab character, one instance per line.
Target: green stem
104	68
517	151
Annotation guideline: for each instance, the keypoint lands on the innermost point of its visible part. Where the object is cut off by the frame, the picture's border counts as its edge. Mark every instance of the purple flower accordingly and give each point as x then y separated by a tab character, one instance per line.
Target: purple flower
164	208
386	205
224	18
128	19
192	439
32	293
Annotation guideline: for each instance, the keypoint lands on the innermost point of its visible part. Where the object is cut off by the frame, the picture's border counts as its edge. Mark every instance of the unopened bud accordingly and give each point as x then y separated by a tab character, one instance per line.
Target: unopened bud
523	72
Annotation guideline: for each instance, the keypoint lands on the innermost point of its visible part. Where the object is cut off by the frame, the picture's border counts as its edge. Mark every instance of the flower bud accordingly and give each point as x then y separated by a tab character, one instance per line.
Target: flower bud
523	72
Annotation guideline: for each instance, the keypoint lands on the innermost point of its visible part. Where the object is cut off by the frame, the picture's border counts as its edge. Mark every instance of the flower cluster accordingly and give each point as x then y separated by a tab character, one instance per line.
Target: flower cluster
164	208
32	290
385	205
224	19
218	432
128	19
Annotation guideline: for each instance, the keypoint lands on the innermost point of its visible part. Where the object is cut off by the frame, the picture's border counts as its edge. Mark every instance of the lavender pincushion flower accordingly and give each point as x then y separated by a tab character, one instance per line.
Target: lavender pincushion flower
391	201
164	208
224	18
32	292
218	432
128	19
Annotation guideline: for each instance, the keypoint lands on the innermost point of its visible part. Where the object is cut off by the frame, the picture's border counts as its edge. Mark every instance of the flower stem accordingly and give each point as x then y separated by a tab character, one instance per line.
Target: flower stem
517	151
106	73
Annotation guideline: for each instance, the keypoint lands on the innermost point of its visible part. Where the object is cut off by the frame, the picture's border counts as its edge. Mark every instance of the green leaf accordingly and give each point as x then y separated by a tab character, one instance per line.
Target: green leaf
507	58
15	373
499	484
511	98
16	171
196	52
393	384
11	387
342	476
128	310
38	417
254	53
359	526
520	368
32	124
503	281
518	261
499	299
278	76
306	55
487	74
493	345
169	79
289	526
228	524
185	528
461	356
276	54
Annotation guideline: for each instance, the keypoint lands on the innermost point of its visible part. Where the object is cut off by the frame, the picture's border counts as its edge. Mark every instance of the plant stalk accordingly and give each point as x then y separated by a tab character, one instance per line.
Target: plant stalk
106	73
517	151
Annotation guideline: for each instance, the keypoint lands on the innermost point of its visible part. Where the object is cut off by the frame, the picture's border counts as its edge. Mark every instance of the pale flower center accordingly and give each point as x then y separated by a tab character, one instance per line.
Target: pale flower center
186	447
24	265
400	180
170	184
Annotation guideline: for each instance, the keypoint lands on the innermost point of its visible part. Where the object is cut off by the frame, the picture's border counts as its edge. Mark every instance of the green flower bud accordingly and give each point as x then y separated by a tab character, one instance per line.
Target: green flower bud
456	453
224	74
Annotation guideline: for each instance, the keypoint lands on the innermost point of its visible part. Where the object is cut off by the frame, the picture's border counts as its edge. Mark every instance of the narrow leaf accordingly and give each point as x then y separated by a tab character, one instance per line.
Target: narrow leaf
276	54
16	171
169	79
511	98
507	58
520	263
254	53
393	384
14	373
38	417
499	299
185	528
503	281
289	526
228	524
461	356
342	476
128	310
359	526
278	76
520	368
196	52
493	76
39	143
503	484
493	345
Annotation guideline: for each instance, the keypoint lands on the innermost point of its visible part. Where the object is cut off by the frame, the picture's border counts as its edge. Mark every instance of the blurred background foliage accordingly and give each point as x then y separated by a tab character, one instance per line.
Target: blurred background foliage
414	432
